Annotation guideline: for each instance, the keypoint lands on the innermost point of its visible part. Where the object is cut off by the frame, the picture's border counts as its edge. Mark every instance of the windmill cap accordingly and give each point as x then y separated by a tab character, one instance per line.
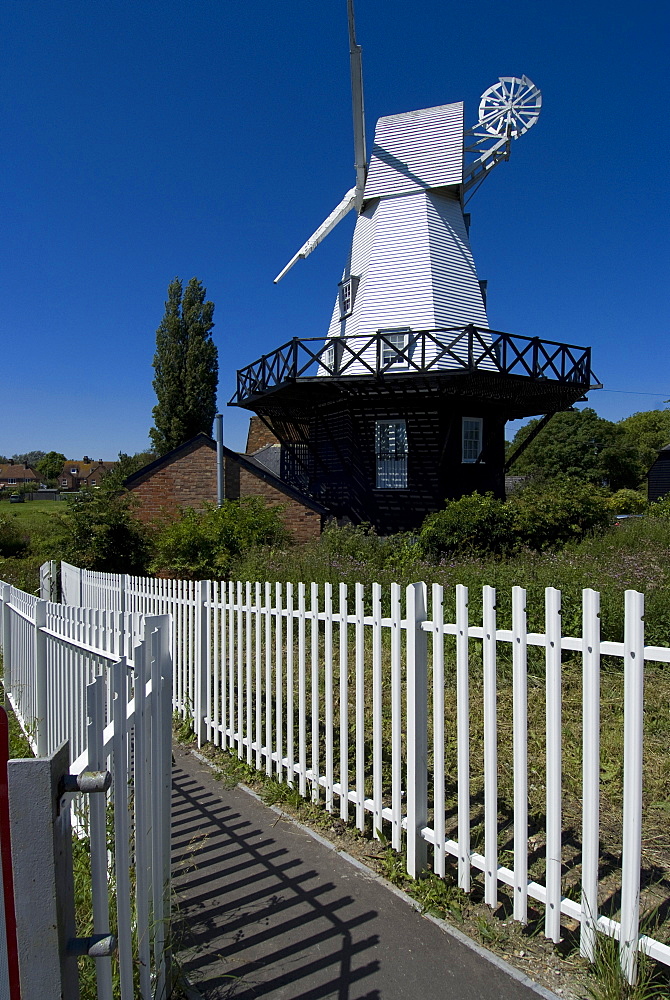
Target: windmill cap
416	151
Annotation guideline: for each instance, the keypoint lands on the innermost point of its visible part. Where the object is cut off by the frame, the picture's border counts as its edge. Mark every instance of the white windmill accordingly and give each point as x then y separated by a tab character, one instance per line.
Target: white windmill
410	266
405	403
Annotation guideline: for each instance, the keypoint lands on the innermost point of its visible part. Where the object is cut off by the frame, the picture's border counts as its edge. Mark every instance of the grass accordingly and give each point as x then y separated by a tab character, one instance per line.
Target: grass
656	771
636	556
633	556
31	513
19	747
525	946
607	982
38	522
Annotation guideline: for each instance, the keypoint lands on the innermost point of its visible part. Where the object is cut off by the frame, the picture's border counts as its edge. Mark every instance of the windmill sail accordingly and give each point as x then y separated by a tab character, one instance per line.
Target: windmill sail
335	216
356	61
353	198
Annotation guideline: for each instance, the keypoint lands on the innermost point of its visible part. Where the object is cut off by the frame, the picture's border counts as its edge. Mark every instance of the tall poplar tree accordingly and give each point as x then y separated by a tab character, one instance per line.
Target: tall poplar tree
186	365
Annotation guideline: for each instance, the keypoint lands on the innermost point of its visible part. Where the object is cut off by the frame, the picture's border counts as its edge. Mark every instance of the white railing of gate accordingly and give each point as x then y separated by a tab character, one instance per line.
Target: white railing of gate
145	596
253	661
103	680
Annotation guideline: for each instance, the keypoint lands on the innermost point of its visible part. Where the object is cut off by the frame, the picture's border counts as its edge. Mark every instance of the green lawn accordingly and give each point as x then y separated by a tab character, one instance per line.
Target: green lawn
38	521
32	512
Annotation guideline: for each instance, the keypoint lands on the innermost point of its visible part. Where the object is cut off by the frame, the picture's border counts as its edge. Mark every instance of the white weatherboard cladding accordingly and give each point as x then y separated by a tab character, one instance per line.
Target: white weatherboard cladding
361	249
457	296
399	287
416	151
416	270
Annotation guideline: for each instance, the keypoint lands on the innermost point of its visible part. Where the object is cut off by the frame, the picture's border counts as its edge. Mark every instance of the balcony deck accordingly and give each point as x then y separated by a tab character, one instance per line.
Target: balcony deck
523	373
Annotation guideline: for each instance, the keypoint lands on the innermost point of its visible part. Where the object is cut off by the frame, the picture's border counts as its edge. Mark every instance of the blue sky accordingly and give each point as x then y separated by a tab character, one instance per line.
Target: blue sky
147	140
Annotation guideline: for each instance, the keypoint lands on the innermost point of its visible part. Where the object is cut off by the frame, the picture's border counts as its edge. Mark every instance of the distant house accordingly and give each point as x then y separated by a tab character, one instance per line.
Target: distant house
658	477
12	475
186	477
76	474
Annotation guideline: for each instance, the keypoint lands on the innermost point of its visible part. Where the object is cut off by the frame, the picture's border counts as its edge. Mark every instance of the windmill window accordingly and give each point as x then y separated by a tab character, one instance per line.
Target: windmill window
394	347
294	464
391	454
348	289
472	438
328	359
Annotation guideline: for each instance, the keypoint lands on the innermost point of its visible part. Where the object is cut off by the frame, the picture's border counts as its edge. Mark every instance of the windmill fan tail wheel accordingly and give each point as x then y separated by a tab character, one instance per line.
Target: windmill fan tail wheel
510	107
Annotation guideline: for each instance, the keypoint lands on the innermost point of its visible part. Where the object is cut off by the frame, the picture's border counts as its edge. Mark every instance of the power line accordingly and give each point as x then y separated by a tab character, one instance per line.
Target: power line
631	392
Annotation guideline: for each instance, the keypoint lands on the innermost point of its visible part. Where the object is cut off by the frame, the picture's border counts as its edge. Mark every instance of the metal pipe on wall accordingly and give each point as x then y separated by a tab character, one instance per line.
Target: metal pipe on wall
218	423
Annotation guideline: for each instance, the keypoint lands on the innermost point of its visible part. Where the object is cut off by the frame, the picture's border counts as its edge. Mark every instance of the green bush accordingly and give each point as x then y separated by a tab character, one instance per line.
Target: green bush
22	572
547	515
12	540
627	502
660	509
99	532
201	544
544	515
473	524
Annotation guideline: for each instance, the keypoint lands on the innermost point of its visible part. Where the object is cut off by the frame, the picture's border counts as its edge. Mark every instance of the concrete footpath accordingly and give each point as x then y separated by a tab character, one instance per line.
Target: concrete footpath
269	910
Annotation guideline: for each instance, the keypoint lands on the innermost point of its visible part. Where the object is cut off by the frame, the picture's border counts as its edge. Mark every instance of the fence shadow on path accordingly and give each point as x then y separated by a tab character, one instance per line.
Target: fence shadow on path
255	918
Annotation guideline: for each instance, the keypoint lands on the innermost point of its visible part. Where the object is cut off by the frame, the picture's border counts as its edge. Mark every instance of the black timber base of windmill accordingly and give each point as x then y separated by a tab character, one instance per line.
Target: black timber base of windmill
385	437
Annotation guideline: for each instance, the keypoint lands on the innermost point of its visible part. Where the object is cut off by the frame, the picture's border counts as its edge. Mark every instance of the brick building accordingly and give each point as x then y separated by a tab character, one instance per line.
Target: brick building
14	474
658	477
86	472
186	477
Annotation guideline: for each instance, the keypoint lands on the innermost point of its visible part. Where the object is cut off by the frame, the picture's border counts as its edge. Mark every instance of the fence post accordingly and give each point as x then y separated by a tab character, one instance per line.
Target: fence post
156	633
633	722
41	707
200	707
590	771
124	645
42	863
6	638
417	729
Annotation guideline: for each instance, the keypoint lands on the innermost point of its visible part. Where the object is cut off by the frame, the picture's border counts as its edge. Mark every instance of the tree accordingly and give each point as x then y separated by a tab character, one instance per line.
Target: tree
50	465
100	532
582	445
125	466
648	431
30	458
186	364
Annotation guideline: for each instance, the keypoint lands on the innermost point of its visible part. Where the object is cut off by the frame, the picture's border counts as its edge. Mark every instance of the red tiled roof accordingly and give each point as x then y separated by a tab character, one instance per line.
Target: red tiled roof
17	471
84	469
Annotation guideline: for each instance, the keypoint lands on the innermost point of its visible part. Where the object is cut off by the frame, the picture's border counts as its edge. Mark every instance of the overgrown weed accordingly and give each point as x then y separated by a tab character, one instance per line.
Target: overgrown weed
607	981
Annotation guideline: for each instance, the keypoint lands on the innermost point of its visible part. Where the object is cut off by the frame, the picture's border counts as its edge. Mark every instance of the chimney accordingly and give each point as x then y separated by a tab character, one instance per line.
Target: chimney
86	459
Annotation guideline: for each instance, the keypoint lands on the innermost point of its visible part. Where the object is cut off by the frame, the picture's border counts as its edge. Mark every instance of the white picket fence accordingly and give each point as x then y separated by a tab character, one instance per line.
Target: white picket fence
301	683
102	680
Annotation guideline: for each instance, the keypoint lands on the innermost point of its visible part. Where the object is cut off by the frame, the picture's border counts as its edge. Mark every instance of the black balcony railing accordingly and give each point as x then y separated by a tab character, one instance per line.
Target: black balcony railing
466	349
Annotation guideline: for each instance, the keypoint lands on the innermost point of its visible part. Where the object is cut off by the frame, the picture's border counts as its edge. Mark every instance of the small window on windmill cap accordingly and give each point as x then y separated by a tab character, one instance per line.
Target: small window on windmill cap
348	289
